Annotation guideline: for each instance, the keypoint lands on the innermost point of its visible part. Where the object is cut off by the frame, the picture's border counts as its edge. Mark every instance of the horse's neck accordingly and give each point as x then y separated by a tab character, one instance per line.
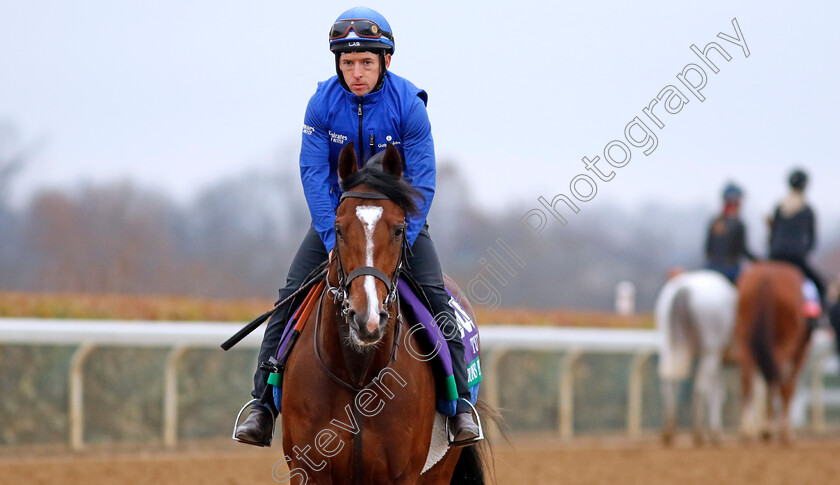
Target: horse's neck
344	359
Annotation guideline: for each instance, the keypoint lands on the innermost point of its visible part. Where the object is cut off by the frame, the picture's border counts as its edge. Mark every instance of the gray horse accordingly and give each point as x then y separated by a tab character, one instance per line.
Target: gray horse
695	312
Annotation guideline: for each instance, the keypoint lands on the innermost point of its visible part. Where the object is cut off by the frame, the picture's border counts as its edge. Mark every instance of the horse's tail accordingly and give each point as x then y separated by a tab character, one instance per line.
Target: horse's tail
761	340
675	361
475	464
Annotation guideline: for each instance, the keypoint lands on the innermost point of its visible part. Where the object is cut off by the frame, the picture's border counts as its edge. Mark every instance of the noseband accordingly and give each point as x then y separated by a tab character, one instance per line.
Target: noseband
340	292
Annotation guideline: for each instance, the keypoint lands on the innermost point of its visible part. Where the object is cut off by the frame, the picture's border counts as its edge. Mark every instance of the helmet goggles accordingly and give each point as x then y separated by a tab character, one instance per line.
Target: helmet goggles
364	28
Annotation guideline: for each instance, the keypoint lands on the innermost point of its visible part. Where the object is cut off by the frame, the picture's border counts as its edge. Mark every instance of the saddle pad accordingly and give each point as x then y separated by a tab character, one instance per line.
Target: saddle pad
811	297
438	444
432	339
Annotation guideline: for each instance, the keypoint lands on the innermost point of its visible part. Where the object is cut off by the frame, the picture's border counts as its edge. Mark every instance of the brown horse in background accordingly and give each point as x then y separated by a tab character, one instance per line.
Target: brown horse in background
772	338
358	403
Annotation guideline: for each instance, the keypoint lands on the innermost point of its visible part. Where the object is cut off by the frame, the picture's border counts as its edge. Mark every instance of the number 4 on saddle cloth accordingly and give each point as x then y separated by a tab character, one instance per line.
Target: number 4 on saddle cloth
423	327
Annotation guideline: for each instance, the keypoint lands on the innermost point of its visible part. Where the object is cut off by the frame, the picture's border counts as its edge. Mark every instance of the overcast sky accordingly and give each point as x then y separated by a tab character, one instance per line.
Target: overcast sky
177	94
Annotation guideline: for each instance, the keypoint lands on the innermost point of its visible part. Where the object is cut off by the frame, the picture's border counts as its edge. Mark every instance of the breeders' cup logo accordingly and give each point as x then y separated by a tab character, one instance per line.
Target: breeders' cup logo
337	138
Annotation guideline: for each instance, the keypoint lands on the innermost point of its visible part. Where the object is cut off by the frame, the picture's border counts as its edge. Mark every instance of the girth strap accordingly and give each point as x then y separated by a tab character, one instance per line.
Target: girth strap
358	450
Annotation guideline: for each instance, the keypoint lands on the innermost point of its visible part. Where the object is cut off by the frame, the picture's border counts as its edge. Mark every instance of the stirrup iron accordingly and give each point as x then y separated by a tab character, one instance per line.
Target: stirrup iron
237	423
475	415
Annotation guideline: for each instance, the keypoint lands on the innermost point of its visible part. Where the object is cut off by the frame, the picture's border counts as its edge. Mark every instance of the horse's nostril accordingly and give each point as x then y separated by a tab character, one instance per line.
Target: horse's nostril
359	321
383	316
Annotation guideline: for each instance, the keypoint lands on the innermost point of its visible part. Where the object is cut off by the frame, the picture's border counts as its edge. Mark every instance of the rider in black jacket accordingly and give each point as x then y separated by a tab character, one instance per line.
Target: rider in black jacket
793	231
726	237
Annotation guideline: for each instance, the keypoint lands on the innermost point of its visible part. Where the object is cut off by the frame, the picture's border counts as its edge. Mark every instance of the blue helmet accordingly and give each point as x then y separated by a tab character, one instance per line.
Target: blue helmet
732	193
361	29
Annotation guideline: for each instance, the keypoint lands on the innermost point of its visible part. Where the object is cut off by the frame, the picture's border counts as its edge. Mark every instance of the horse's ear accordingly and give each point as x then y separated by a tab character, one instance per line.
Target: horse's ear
392	161
347	161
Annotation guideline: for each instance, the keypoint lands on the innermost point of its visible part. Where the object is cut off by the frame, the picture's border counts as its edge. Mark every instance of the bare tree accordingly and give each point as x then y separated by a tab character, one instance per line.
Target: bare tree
12	161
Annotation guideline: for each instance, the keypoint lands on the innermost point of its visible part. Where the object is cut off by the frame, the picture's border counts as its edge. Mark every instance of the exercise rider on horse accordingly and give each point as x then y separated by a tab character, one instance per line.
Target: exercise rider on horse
793	231
368	105
726	238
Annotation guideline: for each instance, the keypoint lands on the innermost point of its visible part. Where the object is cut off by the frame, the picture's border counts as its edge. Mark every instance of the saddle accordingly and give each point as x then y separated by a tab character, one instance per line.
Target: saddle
415	309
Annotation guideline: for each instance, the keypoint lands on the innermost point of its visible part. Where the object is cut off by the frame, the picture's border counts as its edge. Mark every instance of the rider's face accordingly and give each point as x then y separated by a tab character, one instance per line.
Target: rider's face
361	70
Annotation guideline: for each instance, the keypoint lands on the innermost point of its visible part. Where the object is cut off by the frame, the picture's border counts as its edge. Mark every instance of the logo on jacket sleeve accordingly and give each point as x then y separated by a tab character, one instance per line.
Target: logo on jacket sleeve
337	138
307	130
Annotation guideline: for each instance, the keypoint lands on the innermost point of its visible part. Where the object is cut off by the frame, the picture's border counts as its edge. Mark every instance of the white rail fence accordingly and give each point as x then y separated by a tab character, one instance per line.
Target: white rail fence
497	341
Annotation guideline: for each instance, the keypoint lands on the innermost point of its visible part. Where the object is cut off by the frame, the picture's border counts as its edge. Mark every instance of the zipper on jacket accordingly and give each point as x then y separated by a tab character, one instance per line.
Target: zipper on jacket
372	145
361	149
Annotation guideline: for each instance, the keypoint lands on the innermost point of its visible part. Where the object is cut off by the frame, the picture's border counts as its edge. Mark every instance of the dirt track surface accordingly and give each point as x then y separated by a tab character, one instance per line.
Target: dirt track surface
534	462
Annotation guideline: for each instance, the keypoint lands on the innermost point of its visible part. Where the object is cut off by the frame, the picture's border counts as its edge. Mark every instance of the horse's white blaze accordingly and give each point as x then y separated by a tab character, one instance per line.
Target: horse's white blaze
370	215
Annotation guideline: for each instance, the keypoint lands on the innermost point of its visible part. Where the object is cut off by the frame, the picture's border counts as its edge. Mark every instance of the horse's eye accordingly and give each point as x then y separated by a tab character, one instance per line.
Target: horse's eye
338	232
399	231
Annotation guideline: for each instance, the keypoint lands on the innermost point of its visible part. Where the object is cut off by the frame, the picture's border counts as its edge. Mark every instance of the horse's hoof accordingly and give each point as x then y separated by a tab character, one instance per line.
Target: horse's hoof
766	436
667	439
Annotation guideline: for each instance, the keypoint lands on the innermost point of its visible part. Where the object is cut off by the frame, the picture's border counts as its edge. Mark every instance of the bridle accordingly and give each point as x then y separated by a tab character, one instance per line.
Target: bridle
339	296
339	293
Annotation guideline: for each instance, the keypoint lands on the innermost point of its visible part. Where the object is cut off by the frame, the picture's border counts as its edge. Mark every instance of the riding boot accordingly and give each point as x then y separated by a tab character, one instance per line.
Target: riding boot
258	427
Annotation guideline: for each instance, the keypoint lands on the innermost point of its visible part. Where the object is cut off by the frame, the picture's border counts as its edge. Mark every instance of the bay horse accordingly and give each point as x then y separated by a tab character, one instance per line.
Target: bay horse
695	313
358	406
772	336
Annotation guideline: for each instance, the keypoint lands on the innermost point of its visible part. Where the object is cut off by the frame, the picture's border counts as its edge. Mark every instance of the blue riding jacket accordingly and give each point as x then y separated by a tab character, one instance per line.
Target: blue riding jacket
334	116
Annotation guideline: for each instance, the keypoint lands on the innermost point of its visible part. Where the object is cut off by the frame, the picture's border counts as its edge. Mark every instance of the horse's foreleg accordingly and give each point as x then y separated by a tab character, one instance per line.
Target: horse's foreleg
668	388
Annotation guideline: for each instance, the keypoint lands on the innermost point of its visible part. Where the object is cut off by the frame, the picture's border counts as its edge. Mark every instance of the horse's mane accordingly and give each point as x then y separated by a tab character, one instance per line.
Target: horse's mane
396	189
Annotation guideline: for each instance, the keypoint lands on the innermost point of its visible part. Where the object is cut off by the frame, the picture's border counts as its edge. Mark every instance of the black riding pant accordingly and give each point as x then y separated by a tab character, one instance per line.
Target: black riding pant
425	268
807	270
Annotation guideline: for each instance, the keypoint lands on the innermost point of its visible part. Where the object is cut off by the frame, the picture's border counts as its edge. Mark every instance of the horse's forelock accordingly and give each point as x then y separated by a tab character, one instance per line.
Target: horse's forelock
395	189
